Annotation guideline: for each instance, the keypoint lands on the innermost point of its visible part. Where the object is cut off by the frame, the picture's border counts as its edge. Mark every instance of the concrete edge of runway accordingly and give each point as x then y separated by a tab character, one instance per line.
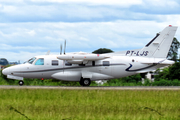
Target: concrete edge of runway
93	87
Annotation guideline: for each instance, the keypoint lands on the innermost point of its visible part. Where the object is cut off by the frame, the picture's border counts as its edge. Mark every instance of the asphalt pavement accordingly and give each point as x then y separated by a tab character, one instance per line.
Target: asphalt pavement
92	87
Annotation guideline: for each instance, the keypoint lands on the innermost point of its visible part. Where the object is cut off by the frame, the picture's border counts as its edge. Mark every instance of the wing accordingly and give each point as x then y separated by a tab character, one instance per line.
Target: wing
79	58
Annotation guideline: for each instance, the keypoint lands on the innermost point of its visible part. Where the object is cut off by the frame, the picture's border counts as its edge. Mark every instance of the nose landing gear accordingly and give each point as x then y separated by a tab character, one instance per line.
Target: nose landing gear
21	82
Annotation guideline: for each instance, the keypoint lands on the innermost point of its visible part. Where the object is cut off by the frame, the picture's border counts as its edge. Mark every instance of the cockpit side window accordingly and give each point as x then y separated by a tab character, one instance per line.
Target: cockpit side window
31	60
40	61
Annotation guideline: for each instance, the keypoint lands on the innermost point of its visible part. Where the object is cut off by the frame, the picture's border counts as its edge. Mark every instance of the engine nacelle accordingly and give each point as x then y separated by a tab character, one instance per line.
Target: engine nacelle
68	76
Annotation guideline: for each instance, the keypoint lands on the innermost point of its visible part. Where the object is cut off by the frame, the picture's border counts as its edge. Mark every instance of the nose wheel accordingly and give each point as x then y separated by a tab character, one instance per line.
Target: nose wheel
85	82
21	82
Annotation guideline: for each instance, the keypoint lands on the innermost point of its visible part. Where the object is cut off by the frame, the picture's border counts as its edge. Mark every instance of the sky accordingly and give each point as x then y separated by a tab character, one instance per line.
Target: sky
32	27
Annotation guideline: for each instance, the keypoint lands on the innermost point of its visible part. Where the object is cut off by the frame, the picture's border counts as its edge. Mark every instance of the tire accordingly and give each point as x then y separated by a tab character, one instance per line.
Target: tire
85	82
21	82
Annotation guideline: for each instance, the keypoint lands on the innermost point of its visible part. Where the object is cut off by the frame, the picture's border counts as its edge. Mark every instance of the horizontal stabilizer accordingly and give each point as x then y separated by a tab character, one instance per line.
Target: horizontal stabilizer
158	61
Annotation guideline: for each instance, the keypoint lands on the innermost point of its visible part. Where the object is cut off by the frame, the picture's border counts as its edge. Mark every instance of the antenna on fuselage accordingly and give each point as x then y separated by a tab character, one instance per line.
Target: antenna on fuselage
48	52
65	47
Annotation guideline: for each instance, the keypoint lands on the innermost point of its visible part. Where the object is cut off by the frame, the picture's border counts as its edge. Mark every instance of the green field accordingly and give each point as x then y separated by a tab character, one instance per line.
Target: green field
43	104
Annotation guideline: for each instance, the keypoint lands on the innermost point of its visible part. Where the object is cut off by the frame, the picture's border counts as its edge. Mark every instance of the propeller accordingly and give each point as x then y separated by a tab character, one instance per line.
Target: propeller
60	49
64	47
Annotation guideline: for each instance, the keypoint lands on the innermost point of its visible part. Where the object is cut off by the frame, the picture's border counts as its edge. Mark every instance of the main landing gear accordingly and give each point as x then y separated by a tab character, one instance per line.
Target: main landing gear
85	82
21	82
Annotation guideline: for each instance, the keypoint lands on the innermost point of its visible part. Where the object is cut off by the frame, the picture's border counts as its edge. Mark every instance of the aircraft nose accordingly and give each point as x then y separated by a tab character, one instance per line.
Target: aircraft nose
5	71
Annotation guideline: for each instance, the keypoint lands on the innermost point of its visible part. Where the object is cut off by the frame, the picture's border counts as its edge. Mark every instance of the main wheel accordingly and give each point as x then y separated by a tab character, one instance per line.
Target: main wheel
85	82
21	82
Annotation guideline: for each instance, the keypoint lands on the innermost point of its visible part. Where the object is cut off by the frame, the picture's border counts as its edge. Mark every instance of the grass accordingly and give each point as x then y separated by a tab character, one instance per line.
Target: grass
42	104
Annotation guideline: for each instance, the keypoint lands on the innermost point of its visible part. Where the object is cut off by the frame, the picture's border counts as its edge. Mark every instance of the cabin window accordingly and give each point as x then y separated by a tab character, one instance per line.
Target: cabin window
67	64
40	61
55	62
105	63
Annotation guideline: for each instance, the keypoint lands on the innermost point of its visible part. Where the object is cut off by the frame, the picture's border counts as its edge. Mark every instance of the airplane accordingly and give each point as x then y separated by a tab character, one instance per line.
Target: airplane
86	67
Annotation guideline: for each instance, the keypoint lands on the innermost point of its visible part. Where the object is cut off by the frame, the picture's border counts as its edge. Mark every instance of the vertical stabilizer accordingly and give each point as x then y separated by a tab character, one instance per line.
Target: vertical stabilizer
160	45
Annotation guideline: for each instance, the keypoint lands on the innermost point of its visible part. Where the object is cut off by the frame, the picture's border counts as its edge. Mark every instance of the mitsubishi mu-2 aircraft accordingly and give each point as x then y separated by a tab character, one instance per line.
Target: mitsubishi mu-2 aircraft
87	67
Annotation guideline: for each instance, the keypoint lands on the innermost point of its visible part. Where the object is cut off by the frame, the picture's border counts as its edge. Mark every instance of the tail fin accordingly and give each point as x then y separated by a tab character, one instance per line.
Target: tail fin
160	45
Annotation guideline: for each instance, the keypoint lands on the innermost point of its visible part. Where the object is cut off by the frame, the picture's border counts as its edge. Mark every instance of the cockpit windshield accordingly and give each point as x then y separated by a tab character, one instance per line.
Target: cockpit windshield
31	60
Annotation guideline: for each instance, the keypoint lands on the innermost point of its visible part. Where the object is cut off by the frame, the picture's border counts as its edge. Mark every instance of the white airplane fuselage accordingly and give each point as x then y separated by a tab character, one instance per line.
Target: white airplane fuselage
113	67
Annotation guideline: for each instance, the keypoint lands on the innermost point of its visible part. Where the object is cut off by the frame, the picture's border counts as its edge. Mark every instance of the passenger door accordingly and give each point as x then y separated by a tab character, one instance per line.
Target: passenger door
105	67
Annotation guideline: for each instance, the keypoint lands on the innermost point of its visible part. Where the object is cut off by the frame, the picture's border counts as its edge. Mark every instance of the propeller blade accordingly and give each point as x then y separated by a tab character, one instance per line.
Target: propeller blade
65	47
60	49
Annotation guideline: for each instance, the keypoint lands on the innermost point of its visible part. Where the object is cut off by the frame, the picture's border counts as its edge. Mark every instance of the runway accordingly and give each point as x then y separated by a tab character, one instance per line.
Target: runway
92	87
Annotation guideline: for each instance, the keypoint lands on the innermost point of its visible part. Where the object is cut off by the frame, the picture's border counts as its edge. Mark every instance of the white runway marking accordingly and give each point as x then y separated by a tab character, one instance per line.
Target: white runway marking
92	88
